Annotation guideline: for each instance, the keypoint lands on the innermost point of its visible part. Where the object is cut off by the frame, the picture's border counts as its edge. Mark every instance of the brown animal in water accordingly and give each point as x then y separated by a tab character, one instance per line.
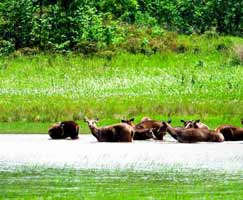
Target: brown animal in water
185	123
139	134
145	119
194	124
64	130
192	135
114	133
151	124
230	132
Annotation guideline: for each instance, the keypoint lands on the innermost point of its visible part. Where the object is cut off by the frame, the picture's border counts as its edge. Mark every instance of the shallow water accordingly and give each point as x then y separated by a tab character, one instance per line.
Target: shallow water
87	153
59	183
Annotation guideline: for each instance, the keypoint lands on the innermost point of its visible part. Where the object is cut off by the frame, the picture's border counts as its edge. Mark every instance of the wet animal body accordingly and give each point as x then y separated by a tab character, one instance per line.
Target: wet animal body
64	130
114	133
192	135
151	124
231	133
139	133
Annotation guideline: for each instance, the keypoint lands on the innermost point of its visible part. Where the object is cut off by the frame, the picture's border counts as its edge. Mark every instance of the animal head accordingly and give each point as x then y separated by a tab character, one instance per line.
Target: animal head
91	122
164	126
188	123
195	124
56	131
129	122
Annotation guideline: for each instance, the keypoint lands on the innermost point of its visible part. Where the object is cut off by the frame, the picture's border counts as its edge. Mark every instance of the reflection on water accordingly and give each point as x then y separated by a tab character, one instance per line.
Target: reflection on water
120	184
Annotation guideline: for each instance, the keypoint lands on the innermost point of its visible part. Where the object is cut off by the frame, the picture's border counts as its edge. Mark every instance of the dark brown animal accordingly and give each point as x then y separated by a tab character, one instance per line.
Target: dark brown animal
64	130
151	124
194	124
114	133
230	132
192	135
139	134
185	123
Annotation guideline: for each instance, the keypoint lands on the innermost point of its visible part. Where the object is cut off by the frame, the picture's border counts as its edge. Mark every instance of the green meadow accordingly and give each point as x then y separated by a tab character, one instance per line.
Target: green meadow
64	60
166	184
203	81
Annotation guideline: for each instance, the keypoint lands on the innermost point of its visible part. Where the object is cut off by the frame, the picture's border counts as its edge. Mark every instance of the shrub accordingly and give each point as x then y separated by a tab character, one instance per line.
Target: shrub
182	48
170	41
211	34
87	47
133	45
29	51
237	55
106	54
6	47
157	44
59	25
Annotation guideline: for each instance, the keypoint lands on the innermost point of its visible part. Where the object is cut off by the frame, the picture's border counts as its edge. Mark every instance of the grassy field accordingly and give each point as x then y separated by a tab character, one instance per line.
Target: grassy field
44	183
205	81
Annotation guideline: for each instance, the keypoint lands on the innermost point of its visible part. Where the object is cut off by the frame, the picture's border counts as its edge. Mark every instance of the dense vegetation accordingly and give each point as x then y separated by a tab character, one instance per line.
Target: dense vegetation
120	58
93	26
201	81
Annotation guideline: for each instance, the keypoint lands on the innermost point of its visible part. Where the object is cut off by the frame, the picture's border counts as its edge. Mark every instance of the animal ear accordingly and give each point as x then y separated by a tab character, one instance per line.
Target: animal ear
169	121
97	119
123	121
183	121
85	119
198	120
131	120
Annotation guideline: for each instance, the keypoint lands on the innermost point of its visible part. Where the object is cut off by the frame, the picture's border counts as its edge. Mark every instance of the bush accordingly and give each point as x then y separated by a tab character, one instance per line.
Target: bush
237	55
106	54
86	47
133	45
28	51
6	47
60	25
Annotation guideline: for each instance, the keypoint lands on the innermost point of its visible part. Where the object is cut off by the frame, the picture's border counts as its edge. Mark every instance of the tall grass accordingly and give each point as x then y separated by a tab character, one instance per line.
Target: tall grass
200	82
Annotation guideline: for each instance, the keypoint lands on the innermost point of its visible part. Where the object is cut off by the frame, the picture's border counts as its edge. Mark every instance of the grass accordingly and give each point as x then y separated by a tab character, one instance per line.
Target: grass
23	127
205	84
45	183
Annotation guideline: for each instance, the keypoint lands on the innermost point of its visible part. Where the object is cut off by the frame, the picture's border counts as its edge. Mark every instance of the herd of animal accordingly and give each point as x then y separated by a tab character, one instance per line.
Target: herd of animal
126	131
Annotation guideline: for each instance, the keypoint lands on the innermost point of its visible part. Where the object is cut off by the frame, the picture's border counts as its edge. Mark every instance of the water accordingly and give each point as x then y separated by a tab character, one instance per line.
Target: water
87	153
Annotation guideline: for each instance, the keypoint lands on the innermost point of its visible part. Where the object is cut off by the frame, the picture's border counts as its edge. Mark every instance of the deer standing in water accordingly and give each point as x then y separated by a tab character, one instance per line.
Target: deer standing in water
192	135
114	133
230	132
139	133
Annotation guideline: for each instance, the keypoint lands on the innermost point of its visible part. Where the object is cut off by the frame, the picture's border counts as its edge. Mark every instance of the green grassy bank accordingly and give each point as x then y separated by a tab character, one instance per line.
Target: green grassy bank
202	81
44	183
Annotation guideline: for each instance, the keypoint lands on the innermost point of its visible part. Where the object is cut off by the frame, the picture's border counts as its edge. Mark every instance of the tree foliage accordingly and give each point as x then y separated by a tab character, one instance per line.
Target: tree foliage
66	25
